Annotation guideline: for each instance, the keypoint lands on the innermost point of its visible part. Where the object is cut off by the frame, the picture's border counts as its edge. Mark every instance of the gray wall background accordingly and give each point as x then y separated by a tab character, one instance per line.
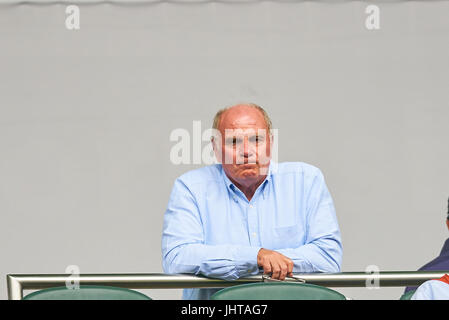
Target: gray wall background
85	119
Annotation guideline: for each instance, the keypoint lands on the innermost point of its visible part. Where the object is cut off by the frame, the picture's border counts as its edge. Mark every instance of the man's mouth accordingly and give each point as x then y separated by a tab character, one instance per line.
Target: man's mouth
247	165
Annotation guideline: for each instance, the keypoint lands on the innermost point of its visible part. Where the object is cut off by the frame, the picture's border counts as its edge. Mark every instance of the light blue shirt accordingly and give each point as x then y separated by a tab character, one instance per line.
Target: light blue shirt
432	290
210	227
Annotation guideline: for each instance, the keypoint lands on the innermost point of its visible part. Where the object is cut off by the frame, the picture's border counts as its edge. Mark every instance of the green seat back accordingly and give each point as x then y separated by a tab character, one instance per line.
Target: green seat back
407	295
277	291
87	293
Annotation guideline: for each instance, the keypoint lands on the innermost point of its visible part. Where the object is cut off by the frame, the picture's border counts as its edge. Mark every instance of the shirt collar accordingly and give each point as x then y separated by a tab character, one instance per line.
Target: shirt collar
231	186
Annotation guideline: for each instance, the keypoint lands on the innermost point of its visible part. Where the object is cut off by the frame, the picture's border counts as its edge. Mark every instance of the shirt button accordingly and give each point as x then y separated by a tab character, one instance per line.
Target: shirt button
254	234
251	206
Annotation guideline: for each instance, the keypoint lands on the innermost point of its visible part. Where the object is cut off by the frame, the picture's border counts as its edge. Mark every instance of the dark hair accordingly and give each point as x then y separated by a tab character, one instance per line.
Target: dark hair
448	209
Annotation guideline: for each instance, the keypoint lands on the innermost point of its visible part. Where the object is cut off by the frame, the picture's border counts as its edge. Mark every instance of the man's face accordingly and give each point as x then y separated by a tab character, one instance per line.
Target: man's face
245	149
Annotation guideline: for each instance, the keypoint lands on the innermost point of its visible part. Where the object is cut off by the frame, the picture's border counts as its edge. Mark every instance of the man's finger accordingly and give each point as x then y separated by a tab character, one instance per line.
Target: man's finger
276	270
290	265
284	270
267	267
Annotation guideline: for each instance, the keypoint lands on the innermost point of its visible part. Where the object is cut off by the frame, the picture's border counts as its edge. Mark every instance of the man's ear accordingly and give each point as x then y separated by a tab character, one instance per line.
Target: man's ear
215	149
212	141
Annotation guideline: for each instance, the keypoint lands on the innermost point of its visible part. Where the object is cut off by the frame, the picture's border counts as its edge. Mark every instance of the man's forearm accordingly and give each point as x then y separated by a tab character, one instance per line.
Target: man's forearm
324	256
227	262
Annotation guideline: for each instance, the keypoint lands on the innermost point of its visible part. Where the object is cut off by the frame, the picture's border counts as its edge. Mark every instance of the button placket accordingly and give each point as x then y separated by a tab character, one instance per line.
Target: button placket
252	224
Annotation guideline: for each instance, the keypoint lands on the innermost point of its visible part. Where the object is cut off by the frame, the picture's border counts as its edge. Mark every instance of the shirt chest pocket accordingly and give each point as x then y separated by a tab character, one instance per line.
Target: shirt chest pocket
287	237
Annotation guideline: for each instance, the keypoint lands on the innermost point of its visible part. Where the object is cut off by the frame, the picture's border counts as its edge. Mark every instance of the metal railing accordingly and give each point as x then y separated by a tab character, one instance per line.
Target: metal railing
16	283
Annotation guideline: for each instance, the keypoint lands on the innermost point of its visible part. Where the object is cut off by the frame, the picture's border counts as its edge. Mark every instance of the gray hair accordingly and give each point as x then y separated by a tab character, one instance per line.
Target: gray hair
217	117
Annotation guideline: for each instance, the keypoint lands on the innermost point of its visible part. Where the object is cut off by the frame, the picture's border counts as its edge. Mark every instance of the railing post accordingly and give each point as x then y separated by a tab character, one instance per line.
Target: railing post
14	288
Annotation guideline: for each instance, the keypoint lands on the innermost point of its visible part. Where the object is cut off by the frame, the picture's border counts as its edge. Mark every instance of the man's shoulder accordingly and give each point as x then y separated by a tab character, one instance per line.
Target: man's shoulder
432	290
299	168
433	284
201	175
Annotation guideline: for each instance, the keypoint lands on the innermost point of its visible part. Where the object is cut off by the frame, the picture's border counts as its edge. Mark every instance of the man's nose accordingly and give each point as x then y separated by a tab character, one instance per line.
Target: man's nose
246	150
245	147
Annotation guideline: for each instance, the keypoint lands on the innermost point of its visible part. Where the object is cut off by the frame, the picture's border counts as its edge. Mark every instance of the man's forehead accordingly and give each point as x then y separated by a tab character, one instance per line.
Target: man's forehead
243	121
243	117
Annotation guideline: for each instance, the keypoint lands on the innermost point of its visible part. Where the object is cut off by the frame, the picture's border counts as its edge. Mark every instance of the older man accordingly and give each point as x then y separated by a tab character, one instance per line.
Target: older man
248	213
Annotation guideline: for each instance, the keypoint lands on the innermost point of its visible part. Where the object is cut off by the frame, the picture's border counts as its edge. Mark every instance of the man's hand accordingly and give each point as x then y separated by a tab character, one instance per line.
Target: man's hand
275	263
